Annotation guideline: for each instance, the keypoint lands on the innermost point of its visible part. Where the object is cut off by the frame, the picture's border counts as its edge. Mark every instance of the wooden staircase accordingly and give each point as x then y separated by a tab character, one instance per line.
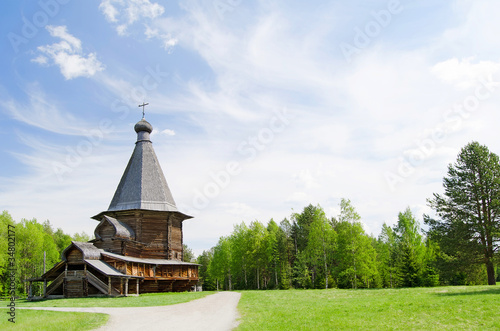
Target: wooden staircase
100	285
55	284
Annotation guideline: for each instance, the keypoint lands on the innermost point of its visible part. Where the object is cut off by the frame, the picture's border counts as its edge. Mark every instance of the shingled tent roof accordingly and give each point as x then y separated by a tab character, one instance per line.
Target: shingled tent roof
143	185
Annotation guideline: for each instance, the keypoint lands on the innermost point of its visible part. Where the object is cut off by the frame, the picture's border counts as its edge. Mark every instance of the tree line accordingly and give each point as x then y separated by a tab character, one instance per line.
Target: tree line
32	239
311	250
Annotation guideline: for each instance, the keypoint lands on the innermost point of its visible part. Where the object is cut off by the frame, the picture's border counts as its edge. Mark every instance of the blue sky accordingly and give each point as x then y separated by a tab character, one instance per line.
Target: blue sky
259	107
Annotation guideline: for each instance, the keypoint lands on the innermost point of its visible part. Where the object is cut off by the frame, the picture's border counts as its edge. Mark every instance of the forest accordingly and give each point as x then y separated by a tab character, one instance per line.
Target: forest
311	250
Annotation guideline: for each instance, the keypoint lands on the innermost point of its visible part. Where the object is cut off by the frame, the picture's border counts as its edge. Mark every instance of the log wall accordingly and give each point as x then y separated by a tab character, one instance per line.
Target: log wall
106	231
158	235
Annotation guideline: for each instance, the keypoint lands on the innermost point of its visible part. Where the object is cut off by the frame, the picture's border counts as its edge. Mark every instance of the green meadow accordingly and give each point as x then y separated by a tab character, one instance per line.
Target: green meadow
38	320
438	308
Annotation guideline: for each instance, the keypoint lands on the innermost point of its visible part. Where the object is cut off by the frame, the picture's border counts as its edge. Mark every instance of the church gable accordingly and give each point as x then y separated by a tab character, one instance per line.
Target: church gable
77	252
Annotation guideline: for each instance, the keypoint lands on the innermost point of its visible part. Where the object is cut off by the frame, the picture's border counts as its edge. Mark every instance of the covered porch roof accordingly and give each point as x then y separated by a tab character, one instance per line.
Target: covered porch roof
147	261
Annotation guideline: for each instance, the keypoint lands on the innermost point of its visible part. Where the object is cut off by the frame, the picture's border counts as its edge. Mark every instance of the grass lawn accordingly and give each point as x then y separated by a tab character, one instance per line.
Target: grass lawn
51	320
457	308
144	300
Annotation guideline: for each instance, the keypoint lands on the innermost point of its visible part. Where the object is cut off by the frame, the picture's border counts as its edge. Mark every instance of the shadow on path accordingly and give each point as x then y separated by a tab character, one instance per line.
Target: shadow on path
495	290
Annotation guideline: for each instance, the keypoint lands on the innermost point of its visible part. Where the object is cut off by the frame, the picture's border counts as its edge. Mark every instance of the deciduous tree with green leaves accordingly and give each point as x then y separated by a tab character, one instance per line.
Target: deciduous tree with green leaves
355	256
240	257
387	252
204	259
257	248
469	209
321	246
220	266
32	240
5	221
272	253
188	255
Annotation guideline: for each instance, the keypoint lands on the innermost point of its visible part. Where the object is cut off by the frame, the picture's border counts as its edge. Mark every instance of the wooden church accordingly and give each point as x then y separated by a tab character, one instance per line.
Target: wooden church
138	241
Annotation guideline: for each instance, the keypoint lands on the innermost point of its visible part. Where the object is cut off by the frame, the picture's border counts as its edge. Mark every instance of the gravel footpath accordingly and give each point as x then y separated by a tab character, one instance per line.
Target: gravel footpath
216	312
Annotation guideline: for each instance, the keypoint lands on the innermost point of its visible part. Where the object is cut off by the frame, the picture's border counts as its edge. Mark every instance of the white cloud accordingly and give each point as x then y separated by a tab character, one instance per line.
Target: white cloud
124	13
150	33
464	73
109	11
68	55
121	29
165	132
168	42
168	132
40	60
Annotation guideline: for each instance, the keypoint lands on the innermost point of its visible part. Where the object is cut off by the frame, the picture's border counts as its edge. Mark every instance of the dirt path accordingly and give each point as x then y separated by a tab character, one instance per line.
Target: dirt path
215	312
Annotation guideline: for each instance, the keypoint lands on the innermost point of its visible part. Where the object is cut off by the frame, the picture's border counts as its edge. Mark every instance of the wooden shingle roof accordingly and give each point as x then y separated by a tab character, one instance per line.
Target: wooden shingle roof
88	250
108	270
143	185
146	261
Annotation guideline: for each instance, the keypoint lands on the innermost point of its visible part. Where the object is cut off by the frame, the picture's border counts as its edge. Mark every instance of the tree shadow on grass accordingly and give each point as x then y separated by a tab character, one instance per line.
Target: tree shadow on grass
495	290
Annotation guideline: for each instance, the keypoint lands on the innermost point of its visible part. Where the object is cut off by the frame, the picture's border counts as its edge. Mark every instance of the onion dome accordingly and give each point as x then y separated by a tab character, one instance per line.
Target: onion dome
143	125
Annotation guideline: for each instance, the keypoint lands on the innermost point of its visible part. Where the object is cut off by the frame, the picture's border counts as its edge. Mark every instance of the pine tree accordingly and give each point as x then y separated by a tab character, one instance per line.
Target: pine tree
469	209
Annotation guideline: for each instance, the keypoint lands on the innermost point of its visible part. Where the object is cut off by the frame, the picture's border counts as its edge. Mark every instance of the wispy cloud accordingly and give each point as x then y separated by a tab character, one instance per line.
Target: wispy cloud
68	55
76	198
45	114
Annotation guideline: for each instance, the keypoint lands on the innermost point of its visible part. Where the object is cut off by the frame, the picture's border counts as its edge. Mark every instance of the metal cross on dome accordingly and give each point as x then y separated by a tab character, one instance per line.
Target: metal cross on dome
143	105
